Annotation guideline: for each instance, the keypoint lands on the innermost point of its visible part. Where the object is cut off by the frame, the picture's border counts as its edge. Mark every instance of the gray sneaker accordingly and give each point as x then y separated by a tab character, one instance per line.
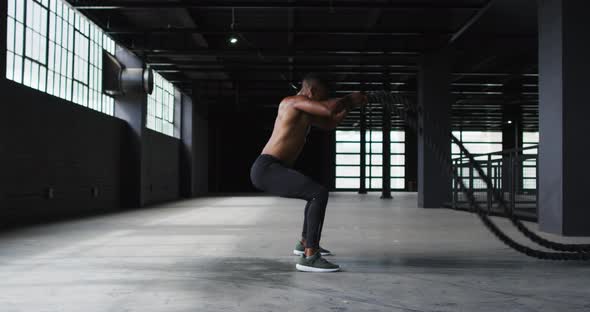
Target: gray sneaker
300	250
316	263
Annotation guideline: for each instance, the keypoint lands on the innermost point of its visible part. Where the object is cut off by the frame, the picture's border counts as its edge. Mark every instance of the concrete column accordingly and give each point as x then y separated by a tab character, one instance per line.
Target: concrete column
187	149
434	100
563	116
194	155
411	160
132	107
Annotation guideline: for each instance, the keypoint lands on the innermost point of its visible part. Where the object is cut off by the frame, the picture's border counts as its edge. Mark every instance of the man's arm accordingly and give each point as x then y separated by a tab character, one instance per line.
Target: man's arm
329	123
328	108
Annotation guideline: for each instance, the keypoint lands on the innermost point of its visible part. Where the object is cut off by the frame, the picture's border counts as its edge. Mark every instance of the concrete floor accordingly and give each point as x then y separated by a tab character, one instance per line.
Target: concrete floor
234	254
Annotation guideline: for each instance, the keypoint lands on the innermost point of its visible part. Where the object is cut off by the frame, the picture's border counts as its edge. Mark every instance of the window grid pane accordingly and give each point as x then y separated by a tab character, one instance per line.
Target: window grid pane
54	49
160	115
529	166
348	159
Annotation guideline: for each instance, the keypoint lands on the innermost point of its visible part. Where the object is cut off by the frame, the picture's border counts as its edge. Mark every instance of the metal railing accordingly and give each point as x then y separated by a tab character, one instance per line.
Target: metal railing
513	174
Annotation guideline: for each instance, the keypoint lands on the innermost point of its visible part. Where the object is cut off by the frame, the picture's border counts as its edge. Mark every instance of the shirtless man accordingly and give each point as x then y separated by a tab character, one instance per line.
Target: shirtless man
272	173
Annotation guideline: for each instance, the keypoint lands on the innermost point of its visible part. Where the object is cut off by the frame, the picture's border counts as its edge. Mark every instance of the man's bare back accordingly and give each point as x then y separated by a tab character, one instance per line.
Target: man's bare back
297	114
289	133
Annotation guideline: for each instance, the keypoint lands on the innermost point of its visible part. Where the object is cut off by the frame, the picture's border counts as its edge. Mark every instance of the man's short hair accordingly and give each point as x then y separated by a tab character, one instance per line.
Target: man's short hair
319	79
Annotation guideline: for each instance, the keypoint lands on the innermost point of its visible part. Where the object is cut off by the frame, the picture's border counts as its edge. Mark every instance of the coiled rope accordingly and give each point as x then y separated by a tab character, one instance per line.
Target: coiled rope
407	110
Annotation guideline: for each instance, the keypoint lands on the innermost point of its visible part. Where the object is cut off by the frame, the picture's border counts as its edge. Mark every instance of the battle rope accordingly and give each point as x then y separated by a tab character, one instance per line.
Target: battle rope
404	108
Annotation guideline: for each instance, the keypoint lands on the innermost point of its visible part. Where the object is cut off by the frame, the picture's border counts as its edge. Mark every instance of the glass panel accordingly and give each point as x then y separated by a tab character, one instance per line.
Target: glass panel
347	171
398	171
529	172
34	75
398	148
398	183
374	159
532	137
398	159
374	171
20	10
18	68
529	183
18	38
481	136
9	65
398	136
354	136
347	148
11	8
10	35
50	82
374	136
27	73
42	78
352	183
348	159
376	183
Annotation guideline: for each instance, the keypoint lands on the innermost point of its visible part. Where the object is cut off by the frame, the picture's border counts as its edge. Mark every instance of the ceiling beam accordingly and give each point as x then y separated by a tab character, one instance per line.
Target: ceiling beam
273	53
351	71
344	32
267	63
269	4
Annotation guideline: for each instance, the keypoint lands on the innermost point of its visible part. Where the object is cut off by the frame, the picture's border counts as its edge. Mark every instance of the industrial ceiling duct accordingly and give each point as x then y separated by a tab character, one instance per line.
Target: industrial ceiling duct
118	80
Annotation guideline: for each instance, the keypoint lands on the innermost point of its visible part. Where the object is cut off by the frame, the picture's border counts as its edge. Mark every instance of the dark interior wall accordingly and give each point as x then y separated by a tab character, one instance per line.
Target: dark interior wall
194	149
58	158
236	140
200	159
162	167
152	159
51	146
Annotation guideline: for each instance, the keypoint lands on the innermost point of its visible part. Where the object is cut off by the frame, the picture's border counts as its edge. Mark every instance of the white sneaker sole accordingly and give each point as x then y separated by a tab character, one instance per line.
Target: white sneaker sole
300	253
304	268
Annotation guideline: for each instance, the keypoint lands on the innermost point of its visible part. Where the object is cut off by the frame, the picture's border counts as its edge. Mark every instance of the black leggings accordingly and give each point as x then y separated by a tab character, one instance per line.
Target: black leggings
271	175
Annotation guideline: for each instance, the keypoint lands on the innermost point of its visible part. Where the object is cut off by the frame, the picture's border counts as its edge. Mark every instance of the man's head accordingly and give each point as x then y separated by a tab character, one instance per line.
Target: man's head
316	86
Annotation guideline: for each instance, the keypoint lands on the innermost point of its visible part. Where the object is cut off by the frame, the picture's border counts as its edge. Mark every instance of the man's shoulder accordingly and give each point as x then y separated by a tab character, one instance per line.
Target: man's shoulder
294	98
290	101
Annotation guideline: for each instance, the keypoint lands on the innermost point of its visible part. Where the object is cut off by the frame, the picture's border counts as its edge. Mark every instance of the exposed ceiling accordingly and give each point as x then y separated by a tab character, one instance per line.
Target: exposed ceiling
365	44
